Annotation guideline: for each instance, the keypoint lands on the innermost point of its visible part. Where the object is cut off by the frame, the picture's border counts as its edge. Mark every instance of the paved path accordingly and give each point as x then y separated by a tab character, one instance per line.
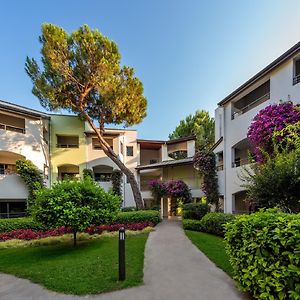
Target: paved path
174	269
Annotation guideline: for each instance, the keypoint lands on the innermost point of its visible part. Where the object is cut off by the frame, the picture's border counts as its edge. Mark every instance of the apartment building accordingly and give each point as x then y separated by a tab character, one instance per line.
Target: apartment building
24	134
167	160
279	81
62	146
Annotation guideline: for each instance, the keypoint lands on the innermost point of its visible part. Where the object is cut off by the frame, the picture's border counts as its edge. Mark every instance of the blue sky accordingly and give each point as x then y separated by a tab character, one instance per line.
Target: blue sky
189	54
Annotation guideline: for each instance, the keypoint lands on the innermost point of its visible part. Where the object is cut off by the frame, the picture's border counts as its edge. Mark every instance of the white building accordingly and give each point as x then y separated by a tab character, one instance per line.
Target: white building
279	81
24	133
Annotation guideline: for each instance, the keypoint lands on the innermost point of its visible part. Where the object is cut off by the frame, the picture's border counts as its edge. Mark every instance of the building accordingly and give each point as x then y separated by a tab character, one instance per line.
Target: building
24	133
167	160
279	81
63	146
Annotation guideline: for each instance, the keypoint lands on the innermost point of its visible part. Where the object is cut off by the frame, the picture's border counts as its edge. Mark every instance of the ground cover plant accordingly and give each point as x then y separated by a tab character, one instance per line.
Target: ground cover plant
264	251
213	247
89	268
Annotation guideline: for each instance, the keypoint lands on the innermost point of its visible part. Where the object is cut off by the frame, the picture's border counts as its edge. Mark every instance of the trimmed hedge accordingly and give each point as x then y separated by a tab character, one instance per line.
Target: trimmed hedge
214	222
138	217
189	224
19	223
195	211
264	251
128	208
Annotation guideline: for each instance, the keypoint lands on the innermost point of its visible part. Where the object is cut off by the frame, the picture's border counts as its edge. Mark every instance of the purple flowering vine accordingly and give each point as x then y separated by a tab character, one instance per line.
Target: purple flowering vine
269	120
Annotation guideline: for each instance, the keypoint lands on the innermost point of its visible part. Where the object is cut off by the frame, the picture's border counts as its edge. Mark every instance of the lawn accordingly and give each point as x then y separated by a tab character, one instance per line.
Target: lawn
90	268
213	247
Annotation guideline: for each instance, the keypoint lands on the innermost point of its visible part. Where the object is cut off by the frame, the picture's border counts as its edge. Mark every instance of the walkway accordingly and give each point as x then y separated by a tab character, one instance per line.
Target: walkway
174	269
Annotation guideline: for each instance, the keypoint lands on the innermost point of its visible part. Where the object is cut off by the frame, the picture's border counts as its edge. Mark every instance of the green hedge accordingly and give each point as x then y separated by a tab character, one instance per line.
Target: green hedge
189	224
128	208
19	223
138	216
214	222
264	250
195	211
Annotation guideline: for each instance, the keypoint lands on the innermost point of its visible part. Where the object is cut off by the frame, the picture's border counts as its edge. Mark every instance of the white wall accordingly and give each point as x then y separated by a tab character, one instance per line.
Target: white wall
281	88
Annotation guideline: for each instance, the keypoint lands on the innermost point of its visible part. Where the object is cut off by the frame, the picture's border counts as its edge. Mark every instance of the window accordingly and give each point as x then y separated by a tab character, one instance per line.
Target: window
102	177
121	148
153	161
64	141
129	150
296	78
12	123
7	169
96	144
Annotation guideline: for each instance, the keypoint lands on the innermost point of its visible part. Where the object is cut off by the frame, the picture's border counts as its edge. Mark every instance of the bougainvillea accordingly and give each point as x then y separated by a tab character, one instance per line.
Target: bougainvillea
158	188
179	189
205	162
274	117
174	188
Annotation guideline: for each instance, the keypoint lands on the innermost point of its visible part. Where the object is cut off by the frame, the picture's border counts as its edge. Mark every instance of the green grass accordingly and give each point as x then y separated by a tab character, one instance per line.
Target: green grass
213	247
90	268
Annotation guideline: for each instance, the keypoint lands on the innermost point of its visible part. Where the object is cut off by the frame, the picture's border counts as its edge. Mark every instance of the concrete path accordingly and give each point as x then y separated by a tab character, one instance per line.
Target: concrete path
174	269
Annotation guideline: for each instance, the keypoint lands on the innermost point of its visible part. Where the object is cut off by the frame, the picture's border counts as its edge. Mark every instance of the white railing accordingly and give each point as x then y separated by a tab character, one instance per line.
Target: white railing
67	145
296	79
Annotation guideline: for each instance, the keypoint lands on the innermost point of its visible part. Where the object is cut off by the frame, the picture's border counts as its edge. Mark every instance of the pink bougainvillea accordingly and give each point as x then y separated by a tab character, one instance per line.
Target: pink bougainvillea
174	188
274	117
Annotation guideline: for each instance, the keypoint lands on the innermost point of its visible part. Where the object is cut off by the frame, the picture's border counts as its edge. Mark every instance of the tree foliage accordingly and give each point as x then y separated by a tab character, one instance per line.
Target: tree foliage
205	162
32	177
75	204
201	125
81	72
88	173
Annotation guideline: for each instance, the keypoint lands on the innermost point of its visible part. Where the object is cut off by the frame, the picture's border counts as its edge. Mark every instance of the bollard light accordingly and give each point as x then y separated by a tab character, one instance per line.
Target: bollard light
122	272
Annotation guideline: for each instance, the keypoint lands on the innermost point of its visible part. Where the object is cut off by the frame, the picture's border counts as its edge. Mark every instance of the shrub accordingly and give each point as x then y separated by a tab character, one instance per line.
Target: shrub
128	208
20	223
88	173
75	204
214	222
195	211
117	226
264	252
189	224
138	217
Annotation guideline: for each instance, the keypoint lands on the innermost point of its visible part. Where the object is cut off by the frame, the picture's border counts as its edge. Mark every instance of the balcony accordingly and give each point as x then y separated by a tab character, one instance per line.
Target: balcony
12	128
67	141
251	100
296	79
241	152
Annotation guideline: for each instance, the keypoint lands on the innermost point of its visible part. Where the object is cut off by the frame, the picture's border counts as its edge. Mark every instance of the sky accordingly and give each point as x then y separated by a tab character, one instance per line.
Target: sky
188	54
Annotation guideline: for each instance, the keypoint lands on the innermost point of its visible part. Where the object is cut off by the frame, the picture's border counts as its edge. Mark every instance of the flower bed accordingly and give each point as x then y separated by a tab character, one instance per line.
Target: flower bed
30	234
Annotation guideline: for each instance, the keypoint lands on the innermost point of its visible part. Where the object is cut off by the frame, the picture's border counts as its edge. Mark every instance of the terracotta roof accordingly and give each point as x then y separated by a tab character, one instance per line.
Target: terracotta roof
167	163
281	59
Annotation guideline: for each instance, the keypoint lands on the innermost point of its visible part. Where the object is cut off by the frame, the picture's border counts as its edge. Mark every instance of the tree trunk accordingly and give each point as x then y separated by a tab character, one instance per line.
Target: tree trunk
114	157
74	238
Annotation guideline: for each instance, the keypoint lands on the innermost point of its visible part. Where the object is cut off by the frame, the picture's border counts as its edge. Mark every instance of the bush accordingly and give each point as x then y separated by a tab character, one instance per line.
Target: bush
264	252
75	204
128	208
194	225
195	211
7	225
214	222
138	217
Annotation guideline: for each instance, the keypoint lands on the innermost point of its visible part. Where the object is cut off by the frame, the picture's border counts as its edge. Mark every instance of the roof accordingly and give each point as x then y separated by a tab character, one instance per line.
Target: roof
22	109
174	141
280	60
167	163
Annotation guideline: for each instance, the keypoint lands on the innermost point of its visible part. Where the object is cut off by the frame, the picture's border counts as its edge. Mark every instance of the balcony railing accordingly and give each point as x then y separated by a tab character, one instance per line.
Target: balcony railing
67	146
240	162
251	105
296	79
12	128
